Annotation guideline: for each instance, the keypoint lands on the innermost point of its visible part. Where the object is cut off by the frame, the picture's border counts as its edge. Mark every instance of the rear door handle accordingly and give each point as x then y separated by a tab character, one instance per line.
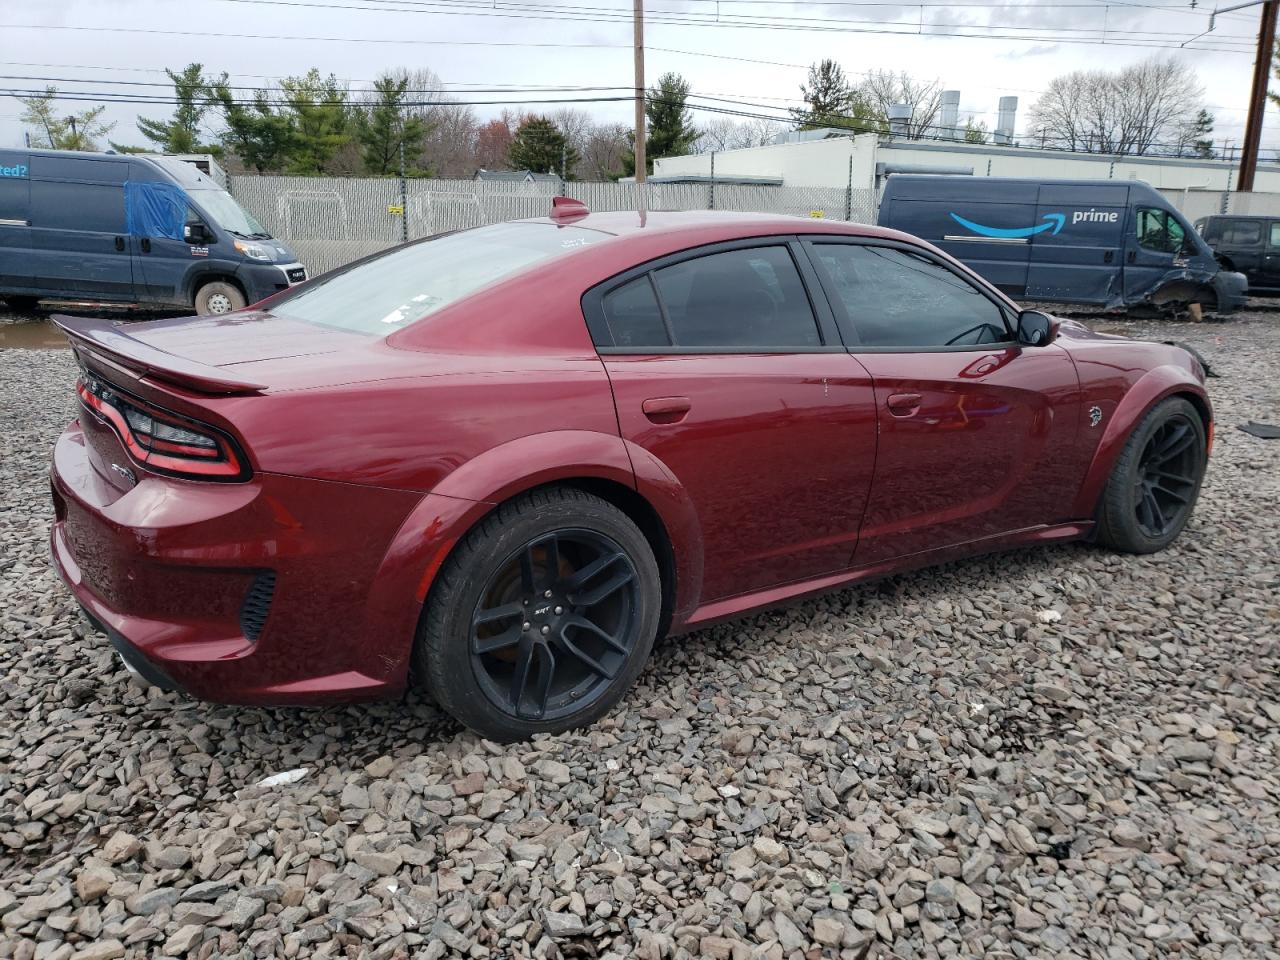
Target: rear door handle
146	244
1109	256
1132	256
903	404
666	409
119	243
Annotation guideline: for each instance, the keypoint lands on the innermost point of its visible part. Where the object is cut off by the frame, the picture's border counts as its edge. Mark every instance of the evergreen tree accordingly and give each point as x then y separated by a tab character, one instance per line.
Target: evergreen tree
540	146
256	132
832	102
670	125
318	118
54	131
181	134
388	134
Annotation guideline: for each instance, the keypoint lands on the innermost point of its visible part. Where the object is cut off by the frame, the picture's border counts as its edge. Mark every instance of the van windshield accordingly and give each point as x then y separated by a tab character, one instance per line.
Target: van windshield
392	290
228	214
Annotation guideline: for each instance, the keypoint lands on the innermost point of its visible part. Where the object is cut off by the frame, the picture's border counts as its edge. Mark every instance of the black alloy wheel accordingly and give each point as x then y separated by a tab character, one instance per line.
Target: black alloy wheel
1155	480
542	617
1167	477
555	624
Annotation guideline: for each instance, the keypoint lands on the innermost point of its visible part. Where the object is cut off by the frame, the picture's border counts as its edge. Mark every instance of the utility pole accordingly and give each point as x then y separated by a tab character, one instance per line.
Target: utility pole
639	49
1258	94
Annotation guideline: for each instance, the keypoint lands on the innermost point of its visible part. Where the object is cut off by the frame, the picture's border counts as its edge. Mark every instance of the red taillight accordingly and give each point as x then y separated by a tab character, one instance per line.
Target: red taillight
161	440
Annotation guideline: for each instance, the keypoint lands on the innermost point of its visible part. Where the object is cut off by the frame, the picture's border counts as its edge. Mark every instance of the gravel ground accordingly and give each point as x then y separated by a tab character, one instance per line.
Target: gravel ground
1049	753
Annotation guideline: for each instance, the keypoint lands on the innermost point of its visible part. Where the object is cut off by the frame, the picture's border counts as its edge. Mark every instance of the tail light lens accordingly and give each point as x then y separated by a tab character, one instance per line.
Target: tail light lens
164	442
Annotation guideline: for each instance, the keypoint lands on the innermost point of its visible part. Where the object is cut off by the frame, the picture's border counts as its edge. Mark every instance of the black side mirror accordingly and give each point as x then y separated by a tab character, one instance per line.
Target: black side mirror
1036	329
195	233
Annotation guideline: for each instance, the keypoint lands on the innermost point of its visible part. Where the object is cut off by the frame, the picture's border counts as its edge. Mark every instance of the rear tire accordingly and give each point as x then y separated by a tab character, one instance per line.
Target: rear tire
218	297
22	304
542	618
1155	482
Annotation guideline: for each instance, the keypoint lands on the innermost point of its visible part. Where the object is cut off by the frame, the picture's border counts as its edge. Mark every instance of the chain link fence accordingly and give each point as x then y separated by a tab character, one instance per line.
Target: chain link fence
330	221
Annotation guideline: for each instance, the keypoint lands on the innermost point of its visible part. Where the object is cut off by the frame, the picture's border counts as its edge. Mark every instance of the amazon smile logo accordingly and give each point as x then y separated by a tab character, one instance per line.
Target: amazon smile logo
1054	222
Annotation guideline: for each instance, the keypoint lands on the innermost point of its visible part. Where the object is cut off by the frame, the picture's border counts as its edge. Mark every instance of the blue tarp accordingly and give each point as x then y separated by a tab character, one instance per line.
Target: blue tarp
155	210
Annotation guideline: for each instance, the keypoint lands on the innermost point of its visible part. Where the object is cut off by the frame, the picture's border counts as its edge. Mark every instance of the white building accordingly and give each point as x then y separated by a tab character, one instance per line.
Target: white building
862	162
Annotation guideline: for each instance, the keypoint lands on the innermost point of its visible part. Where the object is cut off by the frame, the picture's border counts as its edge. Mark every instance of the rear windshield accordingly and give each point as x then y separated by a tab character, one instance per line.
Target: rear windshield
409	283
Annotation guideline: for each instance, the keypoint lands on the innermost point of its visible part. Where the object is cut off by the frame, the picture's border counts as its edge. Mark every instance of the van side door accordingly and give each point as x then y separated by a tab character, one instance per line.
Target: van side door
79	245
1080	260
15	226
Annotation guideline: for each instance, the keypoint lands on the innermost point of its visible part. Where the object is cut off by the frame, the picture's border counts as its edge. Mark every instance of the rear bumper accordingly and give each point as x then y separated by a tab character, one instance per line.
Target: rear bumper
173	570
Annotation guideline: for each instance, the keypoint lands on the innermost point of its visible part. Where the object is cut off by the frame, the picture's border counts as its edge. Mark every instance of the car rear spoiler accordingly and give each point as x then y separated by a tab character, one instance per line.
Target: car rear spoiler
105	340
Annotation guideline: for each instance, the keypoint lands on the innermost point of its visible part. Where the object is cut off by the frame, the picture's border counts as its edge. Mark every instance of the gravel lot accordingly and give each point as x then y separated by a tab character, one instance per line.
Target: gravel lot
1050	753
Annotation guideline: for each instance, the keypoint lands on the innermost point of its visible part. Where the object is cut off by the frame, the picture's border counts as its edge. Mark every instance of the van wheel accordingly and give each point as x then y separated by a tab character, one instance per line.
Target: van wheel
22	304
219	297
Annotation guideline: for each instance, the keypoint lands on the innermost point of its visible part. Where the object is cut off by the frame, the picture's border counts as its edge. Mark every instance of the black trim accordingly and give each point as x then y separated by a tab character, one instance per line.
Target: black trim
131	654
257	605
824	320
849	330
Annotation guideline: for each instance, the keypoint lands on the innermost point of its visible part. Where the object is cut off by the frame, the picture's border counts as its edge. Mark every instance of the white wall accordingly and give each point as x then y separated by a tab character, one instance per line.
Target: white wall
825	163
815	163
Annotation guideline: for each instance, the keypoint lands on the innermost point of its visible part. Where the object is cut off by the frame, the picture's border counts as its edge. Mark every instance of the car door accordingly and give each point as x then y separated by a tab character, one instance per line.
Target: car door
79	245
1269	273
978	434
727	369
1155	243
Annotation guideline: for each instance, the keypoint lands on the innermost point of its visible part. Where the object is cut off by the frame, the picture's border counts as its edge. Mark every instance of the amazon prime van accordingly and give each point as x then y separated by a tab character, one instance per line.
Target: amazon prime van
1105	242
136	229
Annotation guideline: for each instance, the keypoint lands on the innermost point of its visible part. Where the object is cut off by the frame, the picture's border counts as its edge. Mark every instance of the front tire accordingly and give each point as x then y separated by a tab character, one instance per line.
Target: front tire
1155	482
542	618
219	297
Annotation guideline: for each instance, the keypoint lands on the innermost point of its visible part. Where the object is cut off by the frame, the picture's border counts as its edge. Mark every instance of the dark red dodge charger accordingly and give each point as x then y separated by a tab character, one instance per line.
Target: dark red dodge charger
505	460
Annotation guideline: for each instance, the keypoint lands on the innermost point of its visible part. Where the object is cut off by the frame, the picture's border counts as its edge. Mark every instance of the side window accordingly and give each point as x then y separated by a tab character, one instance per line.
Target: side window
1274	238
740	298
1243	233
89	207
1158	230
896	298
635	320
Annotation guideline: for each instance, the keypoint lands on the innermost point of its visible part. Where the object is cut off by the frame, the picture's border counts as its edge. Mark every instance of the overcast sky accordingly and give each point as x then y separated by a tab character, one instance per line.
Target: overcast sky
494	43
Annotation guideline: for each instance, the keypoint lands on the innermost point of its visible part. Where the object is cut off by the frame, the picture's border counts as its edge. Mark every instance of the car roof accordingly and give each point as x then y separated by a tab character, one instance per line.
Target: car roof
657	223
1239	216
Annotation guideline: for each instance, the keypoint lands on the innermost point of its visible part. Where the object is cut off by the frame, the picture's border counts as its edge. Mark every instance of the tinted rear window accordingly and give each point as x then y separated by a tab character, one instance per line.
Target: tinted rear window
389	292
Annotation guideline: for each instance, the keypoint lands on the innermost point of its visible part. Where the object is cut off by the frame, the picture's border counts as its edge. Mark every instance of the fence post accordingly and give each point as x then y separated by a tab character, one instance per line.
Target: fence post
711	187
848	193
404	201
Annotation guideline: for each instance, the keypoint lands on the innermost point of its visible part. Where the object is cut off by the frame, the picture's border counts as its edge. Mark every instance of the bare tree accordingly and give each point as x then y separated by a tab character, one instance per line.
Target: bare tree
603	151
1141	109
450	146
577	127
725	133
883	88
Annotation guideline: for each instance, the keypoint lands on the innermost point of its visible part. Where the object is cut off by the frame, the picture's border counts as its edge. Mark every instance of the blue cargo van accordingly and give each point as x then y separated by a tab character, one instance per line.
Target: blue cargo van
135	229
1105	242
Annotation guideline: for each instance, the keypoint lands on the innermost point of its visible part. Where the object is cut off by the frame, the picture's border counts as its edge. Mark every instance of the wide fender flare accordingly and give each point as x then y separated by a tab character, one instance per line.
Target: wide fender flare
445	515
1151	388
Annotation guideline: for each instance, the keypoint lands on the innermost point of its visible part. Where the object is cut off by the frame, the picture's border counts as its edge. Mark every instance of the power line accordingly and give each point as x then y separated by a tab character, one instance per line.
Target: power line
814	25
